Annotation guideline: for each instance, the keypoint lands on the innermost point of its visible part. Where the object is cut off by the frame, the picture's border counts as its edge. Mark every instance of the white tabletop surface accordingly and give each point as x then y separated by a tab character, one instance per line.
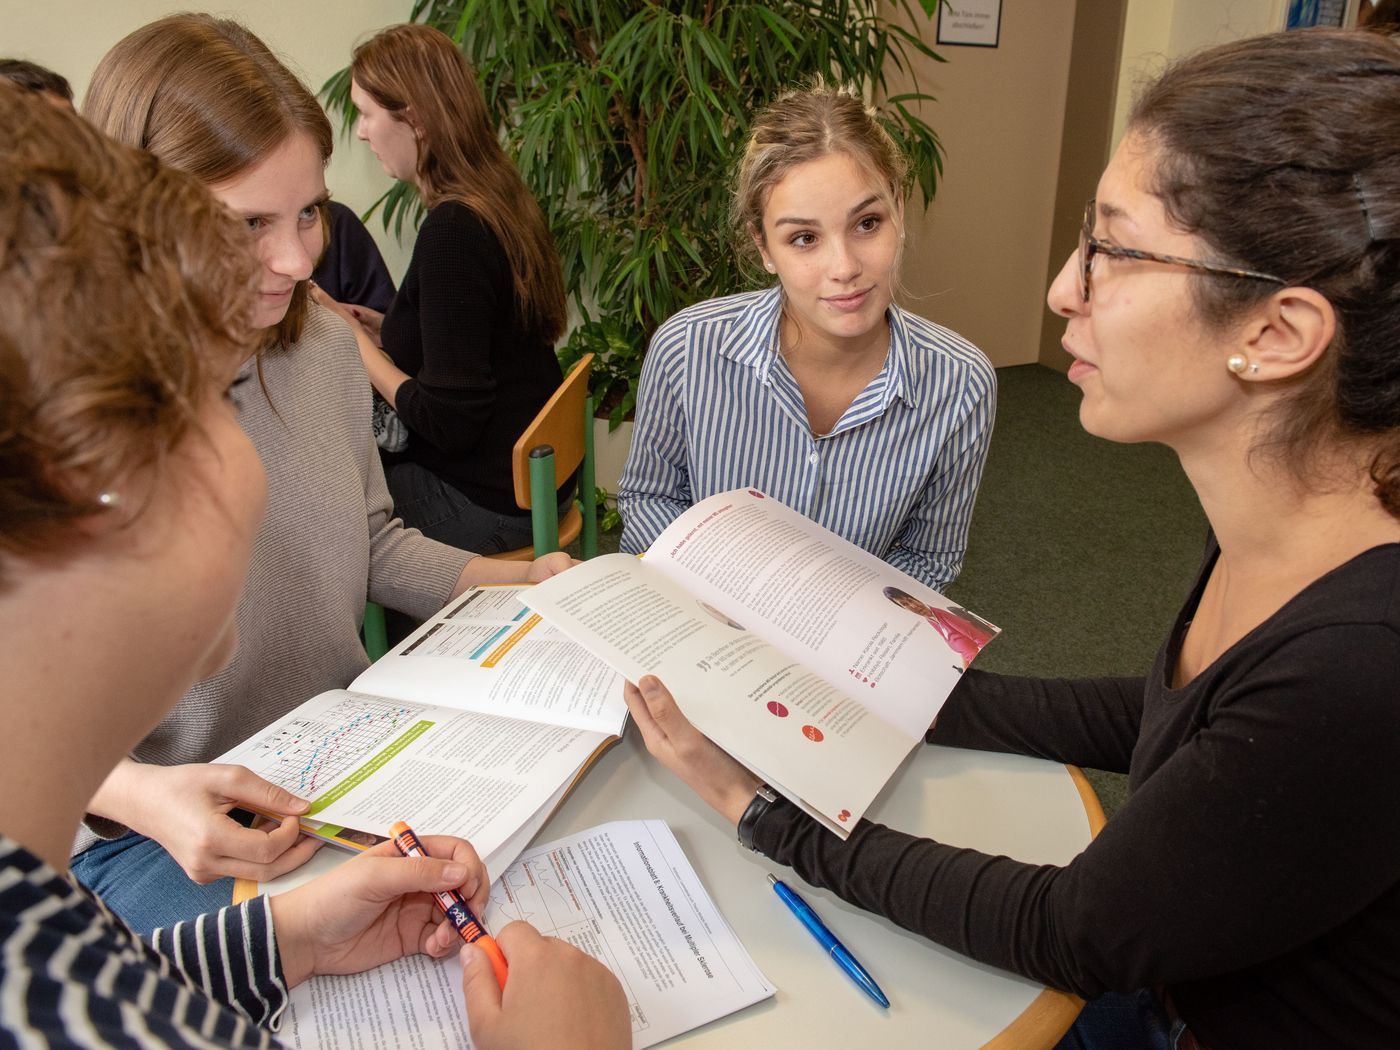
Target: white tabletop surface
1023	807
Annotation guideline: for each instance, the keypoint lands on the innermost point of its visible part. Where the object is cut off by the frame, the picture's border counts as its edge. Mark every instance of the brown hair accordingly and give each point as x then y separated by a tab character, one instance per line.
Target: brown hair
1282	153
208	97
418	75
125	295
805	125
34	77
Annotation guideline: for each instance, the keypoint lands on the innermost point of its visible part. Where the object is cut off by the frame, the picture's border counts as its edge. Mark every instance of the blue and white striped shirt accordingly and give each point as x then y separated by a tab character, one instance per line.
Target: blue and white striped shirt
73	974
719	409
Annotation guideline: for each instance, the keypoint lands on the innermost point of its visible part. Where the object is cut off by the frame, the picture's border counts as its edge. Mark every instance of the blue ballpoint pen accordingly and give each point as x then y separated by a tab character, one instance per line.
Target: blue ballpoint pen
827	940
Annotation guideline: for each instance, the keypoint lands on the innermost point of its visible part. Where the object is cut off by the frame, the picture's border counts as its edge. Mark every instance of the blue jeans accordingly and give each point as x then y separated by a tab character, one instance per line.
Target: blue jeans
441	512
1115	1021
144	885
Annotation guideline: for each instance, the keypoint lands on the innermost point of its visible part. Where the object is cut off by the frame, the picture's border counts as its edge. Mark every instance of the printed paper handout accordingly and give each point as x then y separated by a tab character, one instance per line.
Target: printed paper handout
623	892
475	726
808	659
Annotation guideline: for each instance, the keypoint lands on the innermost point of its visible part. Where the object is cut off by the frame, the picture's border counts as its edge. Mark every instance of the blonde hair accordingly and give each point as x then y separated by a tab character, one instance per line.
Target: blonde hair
208	97
804	125
417	74
126	293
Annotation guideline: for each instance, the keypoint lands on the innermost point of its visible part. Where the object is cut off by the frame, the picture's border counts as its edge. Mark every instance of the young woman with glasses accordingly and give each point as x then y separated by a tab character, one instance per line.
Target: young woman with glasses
819	390
1235	296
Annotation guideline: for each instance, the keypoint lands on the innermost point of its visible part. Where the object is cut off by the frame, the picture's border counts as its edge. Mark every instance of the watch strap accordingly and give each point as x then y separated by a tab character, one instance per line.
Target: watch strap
763	800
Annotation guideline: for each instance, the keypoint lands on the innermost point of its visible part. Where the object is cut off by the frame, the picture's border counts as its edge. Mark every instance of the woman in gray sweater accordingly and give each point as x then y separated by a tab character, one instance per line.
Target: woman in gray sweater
206	96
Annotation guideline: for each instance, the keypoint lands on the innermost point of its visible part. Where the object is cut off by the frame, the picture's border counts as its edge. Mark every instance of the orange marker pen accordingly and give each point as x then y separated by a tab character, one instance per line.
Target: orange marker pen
453	906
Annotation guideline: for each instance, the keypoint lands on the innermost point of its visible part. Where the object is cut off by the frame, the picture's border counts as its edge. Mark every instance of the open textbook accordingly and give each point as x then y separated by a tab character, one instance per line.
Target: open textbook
476	725
809	660
623	892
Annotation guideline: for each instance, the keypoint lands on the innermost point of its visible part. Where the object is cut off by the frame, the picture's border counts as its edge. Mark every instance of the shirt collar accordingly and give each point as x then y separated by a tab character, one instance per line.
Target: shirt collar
755	344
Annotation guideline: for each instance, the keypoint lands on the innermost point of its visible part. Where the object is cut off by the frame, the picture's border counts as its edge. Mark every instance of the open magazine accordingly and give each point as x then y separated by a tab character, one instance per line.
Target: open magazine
808	659
476	725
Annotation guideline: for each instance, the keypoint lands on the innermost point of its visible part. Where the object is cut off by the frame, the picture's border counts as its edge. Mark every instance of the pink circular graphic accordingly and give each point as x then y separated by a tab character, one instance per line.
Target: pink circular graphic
777	709
813	734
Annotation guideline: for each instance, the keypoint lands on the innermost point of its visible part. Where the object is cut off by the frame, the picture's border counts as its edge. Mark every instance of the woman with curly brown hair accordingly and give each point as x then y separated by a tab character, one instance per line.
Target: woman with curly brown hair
128	511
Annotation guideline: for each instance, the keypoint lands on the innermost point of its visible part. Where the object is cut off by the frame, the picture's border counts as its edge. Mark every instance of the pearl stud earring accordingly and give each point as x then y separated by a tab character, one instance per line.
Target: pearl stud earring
1237	363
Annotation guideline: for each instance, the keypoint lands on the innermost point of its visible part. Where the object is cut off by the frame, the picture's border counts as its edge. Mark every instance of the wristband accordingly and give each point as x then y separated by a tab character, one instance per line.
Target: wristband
763	800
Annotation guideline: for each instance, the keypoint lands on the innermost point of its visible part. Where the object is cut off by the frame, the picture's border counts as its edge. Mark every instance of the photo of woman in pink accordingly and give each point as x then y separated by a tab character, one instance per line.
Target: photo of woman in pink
963	637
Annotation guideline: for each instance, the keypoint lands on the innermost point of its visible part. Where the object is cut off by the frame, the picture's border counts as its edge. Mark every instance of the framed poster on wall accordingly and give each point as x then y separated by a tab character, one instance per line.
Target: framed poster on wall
969	23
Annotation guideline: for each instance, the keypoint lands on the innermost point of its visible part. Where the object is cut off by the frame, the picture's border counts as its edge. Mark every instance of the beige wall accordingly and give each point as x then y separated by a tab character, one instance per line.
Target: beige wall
976	261
313	38
1158	31
1085	143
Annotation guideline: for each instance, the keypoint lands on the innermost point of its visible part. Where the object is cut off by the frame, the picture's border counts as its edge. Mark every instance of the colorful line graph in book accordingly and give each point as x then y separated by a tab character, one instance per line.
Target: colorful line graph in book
311	755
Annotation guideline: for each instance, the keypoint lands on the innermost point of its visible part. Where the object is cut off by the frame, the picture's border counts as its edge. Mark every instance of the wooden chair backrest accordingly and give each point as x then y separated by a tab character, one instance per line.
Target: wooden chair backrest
560	425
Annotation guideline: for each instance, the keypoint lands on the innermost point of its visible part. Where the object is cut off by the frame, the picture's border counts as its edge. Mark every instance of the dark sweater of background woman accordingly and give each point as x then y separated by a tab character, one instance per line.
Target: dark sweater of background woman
1255	868
478	377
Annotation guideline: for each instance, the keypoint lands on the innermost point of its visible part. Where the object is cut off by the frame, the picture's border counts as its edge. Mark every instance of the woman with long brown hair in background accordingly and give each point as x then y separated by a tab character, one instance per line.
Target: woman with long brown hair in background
468	344
208	97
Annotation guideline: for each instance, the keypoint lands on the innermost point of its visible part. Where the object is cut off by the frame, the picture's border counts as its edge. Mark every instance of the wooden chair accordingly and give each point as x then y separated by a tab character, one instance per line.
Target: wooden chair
552	447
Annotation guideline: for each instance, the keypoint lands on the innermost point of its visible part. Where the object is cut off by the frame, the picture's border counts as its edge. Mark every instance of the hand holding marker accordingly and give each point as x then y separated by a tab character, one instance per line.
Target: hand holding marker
452	904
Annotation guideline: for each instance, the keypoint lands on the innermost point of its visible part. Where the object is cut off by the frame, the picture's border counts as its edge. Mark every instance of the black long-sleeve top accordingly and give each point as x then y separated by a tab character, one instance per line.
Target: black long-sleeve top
1254	869
477	376
352	270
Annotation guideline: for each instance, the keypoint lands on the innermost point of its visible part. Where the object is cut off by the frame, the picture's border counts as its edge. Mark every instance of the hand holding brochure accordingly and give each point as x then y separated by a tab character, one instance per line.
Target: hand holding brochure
811	661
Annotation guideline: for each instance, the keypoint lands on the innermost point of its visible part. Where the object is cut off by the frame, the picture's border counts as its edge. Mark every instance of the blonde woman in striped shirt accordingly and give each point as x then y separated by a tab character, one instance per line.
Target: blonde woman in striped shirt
819	390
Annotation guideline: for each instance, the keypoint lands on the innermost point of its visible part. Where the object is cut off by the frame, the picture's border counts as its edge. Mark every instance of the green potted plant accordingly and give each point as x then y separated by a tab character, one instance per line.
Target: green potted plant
625	119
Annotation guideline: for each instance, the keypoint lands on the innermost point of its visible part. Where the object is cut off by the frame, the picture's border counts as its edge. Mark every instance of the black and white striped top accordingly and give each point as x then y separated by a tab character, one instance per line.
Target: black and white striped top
718	409
72	974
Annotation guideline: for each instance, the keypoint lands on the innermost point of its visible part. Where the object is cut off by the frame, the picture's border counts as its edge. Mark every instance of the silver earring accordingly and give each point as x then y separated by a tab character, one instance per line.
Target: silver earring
1237	363
769	267
1254	370
109	499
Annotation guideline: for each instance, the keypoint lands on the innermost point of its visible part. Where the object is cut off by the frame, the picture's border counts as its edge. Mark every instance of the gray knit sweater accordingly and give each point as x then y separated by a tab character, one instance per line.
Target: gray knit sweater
328	542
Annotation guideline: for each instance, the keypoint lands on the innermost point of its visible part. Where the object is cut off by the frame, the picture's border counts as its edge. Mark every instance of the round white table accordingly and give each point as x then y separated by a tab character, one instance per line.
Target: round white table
1025	808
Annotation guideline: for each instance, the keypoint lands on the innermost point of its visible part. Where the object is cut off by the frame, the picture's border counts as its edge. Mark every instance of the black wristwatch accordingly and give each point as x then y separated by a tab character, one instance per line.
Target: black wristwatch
763	800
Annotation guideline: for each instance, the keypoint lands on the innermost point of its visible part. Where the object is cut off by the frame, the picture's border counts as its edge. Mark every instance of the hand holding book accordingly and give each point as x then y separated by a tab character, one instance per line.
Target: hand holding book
810	661
721	782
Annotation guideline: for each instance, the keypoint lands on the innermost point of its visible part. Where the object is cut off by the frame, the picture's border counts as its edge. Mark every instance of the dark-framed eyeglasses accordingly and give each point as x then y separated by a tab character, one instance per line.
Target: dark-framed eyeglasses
1089	246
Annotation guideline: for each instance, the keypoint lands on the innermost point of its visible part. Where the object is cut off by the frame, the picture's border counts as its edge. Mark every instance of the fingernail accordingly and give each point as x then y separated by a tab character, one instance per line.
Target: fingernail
300	805
455	873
